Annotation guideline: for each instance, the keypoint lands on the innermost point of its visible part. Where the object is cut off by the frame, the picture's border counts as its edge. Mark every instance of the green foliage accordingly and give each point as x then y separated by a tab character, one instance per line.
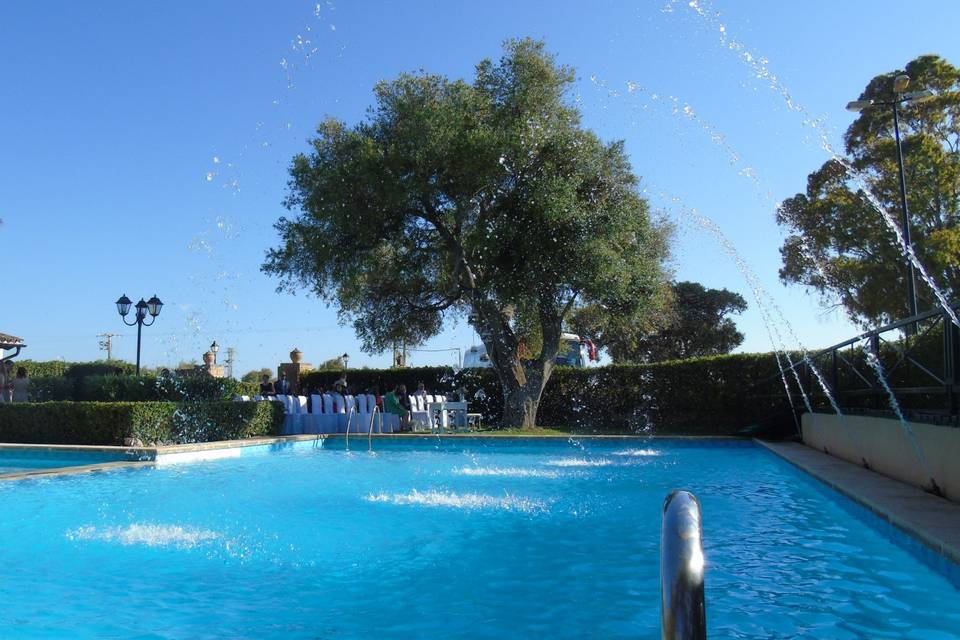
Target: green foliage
691	323
256	375
131	388
709	396
839	244
115	423
42	368
486	198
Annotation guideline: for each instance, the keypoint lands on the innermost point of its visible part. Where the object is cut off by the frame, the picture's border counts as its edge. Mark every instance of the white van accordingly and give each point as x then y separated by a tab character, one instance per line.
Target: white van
573	353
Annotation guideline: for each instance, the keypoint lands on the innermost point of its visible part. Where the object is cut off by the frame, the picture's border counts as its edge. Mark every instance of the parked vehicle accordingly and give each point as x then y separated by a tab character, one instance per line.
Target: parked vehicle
574	352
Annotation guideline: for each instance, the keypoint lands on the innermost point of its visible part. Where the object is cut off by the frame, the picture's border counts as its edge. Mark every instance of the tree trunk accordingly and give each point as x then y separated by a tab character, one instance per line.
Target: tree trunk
522	381
521	401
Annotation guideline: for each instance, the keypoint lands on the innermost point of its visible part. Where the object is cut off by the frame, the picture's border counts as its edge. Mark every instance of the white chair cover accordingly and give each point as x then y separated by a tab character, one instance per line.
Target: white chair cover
419	417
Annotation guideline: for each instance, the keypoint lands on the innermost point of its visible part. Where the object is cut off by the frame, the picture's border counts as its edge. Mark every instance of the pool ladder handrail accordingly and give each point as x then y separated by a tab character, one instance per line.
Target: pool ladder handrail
352	410
373	415
683	613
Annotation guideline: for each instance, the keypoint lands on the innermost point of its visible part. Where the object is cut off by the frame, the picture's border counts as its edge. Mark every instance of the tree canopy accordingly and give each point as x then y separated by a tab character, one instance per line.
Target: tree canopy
487	200
691	322
839	245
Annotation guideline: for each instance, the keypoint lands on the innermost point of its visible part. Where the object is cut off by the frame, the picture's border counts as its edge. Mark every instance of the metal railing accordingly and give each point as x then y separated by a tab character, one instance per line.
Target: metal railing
919	357
683	614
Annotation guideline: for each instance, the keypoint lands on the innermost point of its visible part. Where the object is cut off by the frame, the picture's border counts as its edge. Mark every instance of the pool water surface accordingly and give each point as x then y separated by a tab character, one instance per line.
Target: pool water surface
453	538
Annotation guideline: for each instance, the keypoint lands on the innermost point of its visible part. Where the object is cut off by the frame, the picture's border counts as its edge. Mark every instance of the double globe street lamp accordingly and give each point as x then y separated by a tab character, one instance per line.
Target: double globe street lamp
151	307
909	98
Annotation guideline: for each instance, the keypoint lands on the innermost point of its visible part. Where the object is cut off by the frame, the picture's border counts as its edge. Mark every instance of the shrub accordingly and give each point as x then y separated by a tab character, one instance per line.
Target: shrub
113	423
711	395
131	388
41	368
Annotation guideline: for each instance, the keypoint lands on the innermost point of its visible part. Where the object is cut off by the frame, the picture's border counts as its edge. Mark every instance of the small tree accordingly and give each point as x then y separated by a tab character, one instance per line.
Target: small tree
486	199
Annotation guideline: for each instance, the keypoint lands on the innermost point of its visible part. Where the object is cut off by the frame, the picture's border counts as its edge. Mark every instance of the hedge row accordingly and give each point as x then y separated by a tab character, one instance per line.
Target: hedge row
45	368
143	423
714	395
131	388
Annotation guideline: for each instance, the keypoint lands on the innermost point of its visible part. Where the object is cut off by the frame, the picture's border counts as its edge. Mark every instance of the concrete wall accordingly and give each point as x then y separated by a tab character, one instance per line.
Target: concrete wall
884	443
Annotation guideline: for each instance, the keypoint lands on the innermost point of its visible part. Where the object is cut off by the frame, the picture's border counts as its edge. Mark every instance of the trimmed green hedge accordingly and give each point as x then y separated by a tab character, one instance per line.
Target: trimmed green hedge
131	388
145	423
44	368
703	396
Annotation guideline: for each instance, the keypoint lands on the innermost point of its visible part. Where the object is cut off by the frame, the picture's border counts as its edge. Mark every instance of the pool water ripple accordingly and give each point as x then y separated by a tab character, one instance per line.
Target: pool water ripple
452	539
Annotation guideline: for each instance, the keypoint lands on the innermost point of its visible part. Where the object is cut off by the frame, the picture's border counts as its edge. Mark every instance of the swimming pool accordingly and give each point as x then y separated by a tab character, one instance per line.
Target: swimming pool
453	538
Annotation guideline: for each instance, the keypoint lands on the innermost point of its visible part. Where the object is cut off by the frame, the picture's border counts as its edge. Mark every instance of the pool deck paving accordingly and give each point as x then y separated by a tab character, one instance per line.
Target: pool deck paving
934	520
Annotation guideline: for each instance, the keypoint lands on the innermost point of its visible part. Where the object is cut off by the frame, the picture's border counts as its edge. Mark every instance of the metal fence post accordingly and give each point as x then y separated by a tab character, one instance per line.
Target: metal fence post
951	360
877	393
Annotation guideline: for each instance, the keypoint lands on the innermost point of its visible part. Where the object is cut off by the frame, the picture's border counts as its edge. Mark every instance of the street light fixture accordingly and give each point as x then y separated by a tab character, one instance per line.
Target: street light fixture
346	359
214	348
151	307
901	97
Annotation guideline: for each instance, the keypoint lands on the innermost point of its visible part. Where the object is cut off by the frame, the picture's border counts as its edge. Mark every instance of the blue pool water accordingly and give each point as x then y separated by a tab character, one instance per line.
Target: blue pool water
20	459
453	539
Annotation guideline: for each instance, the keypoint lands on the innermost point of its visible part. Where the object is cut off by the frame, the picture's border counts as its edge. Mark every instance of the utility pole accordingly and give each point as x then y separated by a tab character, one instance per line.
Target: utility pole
231	353
107	343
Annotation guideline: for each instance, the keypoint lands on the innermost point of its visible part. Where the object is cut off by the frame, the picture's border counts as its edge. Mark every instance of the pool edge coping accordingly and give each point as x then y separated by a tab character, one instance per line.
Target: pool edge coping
883	507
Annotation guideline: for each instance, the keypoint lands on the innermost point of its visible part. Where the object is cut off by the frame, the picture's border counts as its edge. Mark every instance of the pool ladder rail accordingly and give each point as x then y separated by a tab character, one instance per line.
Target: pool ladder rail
683	613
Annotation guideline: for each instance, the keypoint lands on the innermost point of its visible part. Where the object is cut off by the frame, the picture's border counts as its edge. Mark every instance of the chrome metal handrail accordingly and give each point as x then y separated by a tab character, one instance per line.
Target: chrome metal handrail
683	613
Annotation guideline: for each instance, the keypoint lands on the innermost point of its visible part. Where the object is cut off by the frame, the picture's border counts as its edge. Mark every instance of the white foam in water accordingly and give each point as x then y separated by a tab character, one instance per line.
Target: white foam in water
508	472
579	462
151	535
637	452
433	498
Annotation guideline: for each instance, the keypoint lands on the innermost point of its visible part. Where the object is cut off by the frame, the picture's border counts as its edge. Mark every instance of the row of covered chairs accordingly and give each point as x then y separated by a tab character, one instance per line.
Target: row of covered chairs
332	413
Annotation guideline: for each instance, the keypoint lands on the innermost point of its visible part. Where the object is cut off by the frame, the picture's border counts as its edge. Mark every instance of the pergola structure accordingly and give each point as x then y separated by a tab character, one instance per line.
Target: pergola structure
7	343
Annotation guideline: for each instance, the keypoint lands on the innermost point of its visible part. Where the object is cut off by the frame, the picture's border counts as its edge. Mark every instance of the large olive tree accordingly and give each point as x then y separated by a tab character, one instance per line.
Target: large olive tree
483	199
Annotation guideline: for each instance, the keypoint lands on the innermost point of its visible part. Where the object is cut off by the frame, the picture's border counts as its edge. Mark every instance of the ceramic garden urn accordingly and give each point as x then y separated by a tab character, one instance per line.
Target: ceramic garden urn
296	356
208	358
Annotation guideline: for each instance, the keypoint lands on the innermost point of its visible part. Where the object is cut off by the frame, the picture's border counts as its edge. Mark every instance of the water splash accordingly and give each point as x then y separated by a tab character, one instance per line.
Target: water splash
150	535
507	472
760	67
579	462
468	501
638	453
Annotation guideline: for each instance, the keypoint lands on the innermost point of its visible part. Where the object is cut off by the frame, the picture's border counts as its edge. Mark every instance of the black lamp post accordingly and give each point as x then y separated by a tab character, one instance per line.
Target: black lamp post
214	348
151	307
346	359
900	96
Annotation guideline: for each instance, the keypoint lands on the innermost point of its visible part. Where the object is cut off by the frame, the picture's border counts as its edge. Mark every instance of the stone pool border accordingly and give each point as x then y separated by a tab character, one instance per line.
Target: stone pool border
932	520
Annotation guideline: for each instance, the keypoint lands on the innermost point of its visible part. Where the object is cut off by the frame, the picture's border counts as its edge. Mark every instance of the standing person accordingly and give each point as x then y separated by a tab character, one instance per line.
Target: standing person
21	386
282	385
266	387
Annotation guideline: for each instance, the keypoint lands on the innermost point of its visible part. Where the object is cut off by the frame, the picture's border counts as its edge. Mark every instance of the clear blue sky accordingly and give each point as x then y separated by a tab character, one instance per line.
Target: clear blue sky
144	146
